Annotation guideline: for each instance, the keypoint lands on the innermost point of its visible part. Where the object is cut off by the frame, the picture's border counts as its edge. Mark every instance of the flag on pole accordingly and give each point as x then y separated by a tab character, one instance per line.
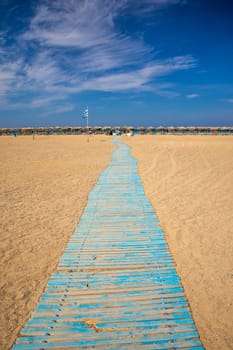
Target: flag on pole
85	113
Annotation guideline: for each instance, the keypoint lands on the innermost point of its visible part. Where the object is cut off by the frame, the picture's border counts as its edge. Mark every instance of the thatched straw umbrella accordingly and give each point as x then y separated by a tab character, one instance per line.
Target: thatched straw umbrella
106	129
181	129
203	129
36	130
27	131
96	128
160	129
171	129
141	129
75	129
191	129
225	130
40	130
4	131
57	129
150	129
214	130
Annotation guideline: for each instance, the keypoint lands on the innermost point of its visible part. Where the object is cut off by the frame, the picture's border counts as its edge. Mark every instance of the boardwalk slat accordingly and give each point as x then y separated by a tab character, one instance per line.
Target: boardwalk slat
116	286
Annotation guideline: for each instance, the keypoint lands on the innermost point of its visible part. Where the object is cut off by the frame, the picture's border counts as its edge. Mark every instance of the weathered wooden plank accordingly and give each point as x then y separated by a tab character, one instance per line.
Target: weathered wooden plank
116	286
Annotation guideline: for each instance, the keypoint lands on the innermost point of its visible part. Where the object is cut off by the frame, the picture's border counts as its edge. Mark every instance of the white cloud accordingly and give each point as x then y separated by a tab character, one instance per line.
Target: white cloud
71	46
36	102
59	109
192	96
230	100
73	23
83	23
9	74
141	78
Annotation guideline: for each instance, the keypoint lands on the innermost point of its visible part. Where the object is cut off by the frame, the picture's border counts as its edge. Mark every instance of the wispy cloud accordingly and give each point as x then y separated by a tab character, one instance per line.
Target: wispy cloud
192	96
230	100
72	46
59	109
9	74
139	79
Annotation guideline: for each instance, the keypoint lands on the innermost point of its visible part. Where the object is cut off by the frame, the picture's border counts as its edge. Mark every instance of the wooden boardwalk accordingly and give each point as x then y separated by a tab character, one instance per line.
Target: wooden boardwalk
116	286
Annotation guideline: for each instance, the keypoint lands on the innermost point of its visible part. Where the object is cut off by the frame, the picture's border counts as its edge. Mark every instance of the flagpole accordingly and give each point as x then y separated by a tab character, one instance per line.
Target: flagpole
87	127
85	116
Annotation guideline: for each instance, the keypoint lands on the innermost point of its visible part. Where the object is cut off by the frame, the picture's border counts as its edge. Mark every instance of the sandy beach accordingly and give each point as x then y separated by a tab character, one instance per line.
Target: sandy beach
189	182
44	186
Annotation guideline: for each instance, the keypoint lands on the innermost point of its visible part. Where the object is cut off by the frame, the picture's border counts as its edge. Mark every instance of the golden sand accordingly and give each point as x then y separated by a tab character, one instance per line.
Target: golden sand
43	190
189	180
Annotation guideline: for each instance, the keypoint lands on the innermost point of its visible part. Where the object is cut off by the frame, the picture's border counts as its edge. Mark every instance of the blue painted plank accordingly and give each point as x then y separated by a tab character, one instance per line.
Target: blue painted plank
117	274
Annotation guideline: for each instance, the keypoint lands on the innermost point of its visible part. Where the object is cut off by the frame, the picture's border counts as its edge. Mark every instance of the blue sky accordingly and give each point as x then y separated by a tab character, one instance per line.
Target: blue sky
132	62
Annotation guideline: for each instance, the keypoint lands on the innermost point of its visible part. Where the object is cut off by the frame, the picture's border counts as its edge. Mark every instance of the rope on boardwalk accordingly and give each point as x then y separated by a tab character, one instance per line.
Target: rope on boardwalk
116	286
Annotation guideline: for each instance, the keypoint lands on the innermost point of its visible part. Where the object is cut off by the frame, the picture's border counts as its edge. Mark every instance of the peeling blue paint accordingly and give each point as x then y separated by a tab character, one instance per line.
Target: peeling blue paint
116	286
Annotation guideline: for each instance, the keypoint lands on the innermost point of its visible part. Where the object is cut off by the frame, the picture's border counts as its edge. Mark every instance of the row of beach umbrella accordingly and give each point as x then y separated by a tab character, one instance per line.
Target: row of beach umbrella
108	129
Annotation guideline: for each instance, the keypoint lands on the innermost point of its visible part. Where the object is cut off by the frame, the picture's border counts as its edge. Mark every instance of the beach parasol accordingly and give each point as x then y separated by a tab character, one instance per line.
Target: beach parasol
214	129
150	129
192	129
182	129
96	128
141	129
225	129
76	128
160	128
171	129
